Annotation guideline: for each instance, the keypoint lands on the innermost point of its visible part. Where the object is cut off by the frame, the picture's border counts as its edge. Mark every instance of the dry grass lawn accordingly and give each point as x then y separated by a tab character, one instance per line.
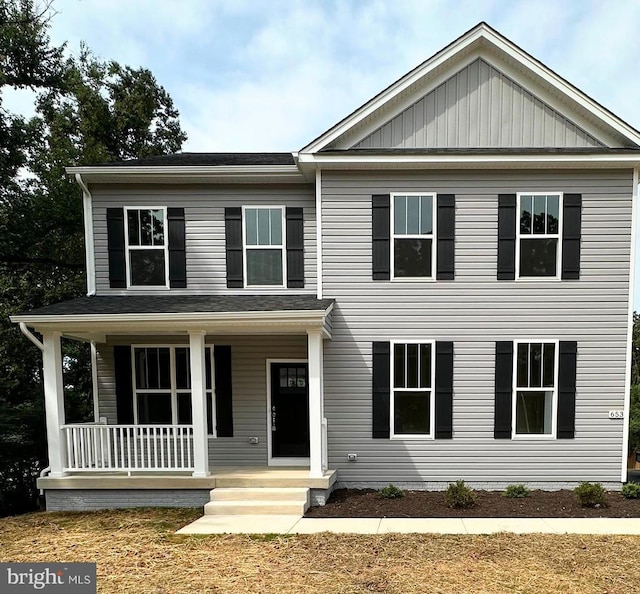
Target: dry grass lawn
137	551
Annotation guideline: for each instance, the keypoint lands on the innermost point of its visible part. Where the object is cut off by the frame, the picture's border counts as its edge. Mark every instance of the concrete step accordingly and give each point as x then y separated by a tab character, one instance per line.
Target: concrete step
227	508
276	480
294	494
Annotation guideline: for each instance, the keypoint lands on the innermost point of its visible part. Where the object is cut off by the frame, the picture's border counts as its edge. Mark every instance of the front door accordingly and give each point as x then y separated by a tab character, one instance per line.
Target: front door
289	410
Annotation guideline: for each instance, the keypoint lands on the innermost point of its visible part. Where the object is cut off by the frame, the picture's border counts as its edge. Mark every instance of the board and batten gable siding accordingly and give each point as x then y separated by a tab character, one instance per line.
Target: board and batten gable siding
249	375
474	311
478	107
204	230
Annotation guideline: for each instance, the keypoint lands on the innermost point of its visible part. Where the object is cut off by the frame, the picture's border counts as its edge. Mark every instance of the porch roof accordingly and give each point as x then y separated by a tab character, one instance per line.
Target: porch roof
128	313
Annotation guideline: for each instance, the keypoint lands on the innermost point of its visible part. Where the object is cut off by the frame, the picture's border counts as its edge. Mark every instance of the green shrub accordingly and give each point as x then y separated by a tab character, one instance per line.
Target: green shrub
590	495
459	495
391	492
516	492
631	491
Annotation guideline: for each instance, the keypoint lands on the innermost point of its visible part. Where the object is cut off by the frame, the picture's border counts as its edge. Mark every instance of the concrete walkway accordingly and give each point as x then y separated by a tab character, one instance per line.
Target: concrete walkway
276	524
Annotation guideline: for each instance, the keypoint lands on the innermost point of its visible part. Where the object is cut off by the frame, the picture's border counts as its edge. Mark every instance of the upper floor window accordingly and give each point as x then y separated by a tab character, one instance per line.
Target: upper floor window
535	388
413	238
538	235
147	247
264	246
412	402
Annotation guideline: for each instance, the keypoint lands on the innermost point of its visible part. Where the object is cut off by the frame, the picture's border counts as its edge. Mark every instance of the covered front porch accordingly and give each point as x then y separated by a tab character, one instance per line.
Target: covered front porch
275	344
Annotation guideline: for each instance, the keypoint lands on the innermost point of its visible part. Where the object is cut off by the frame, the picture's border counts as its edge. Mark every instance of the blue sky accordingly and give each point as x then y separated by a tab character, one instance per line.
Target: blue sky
254	75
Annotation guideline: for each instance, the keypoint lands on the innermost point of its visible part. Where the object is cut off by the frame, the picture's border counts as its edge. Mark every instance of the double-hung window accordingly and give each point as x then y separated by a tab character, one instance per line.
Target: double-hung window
413	238
535	379
412	402
538	235
147	247
162	385
264	246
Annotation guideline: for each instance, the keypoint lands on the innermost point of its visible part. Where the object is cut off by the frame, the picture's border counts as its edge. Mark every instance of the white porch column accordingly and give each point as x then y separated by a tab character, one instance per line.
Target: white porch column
199	404
54	402
314	354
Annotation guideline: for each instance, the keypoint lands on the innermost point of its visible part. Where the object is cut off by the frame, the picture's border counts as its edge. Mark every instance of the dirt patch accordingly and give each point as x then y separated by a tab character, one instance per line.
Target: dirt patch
367	503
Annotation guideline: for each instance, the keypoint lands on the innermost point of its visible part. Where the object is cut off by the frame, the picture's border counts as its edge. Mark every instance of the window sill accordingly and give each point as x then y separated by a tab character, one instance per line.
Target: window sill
149	288
412	438
533	437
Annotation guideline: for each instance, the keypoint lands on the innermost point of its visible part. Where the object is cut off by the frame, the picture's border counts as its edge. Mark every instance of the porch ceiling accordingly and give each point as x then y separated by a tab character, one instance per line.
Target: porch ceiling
93	317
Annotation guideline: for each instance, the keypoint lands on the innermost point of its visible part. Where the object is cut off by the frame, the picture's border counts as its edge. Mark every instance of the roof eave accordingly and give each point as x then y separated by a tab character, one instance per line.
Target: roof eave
477	161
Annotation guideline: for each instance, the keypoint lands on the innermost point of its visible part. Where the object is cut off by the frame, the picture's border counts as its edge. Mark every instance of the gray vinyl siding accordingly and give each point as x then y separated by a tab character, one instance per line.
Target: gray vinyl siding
474	311
204	229
249	379
478	107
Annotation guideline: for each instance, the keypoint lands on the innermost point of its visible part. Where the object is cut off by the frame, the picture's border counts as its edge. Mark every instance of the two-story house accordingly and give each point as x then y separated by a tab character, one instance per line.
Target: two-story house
436	288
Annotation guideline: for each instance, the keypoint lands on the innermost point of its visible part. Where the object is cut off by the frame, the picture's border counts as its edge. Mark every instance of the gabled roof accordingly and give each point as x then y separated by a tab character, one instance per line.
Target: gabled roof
485	42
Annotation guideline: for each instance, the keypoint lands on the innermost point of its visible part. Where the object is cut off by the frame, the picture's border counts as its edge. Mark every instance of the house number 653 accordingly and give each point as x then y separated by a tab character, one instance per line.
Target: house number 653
616	414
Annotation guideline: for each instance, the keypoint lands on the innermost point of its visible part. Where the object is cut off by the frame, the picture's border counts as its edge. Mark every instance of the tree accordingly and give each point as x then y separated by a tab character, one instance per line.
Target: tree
86	111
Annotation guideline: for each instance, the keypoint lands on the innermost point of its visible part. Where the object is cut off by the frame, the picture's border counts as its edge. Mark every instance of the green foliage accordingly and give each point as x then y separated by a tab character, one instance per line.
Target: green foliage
391	492
631	491
458	495
86	111
516	492
590	495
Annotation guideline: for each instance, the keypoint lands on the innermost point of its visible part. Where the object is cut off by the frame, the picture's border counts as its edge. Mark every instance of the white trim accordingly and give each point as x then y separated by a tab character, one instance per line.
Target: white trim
94	382
299	316
282	247
629	353
128	248
531	235
319	233
89	247
270	458
187	170
430	391
515	389
461	161
482	33
432	236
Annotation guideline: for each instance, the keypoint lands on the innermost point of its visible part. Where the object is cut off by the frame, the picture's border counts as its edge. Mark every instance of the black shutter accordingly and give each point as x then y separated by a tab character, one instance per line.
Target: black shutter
124	385
381	229
224	391
295	248
446	236
506	237
115	245
567	389
444	390
571	227
177	249
233	235
381	389
503	390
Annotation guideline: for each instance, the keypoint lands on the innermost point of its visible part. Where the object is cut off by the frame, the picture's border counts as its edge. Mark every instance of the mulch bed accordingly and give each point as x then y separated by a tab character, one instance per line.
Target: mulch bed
367	503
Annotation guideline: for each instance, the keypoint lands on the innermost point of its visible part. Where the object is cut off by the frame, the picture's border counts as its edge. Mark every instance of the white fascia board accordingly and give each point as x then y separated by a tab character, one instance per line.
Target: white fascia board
464	161
480	33
178	318
155	173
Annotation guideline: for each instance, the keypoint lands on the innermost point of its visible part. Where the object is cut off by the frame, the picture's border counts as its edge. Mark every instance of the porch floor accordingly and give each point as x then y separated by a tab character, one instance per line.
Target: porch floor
229	476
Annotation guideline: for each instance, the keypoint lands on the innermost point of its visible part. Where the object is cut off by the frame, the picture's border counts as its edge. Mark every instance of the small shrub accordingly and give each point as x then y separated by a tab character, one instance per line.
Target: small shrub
391	492
516	492
590	495
631	491
459	495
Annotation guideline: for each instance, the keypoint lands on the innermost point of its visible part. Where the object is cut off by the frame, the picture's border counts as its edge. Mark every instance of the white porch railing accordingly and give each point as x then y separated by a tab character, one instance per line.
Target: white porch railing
98	447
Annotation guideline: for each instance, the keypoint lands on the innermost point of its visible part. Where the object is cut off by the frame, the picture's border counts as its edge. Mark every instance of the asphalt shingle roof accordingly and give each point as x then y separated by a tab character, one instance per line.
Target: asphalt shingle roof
206	159
142	304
